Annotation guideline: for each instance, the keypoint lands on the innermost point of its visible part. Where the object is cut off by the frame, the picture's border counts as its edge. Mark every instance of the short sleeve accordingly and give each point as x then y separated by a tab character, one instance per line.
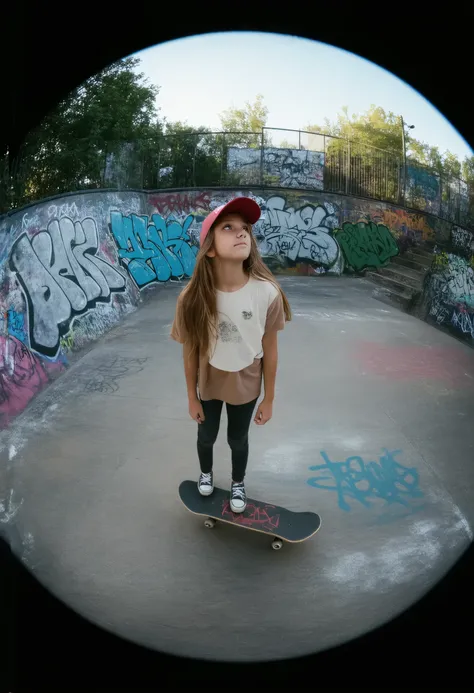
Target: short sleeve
178	330
275	315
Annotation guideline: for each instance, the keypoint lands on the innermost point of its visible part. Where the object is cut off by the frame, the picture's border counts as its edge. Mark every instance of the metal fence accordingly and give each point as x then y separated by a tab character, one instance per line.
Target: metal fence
271	158
278	158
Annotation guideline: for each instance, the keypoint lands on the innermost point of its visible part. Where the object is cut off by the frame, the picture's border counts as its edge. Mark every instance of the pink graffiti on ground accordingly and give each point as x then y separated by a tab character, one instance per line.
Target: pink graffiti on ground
22	376
181	203
447	364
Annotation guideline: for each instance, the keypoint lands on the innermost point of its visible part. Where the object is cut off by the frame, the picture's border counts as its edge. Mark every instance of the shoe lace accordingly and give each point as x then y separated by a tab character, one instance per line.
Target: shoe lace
238	492
205	478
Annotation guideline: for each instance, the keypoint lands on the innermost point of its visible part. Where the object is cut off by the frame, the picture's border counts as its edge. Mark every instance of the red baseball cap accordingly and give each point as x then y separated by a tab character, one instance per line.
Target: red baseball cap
247	207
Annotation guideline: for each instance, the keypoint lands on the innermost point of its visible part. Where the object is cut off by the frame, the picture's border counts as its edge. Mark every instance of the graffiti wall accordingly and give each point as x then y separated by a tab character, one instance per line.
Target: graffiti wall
153	249
301	235
449	285
72	267
423	189
317	233
286	168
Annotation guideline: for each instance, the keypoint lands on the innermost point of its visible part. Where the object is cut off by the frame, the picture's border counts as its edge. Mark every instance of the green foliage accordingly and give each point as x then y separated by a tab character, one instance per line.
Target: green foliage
446	165
70	148
245	121
363	153
110	123
375	128
383	130
468	175
194	156
468	170
371	149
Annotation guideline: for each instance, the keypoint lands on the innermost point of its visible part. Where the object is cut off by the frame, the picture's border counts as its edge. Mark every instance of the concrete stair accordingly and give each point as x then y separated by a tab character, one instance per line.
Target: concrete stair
427	251
409	277
392	291
410	260
400	283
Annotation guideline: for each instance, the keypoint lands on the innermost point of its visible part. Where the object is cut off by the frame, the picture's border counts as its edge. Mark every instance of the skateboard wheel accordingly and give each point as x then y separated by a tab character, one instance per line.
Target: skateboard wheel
277	544
210	522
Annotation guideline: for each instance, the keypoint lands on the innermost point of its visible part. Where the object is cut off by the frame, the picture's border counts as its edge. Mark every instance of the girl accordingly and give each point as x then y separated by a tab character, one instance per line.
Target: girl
227	319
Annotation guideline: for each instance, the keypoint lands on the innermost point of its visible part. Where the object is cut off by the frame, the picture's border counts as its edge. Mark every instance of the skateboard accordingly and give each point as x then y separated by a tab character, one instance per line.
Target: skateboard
280	523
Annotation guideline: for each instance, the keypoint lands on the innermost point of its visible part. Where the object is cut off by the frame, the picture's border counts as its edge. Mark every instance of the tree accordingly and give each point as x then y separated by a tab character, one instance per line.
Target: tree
250	119
189	156
468	175
447	164
363	153
70	149
375	128
376	151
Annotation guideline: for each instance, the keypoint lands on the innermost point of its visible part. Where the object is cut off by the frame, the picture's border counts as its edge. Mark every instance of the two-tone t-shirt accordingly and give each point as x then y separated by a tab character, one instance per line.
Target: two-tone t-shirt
232	371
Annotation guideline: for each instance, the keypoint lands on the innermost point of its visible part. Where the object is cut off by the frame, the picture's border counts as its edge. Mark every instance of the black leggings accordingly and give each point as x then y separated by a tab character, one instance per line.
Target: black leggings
239	417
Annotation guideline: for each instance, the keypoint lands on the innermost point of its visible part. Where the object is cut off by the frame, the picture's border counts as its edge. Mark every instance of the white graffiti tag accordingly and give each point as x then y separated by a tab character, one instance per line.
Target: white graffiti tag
64	210
455	283
464	321
462	239
295	168
450	294
300	235
62	276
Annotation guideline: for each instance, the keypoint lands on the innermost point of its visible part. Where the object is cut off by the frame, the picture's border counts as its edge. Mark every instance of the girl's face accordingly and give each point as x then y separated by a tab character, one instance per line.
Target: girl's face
231	238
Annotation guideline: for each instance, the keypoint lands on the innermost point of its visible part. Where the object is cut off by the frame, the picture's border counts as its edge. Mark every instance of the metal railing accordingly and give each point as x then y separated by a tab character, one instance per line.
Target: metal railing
271	158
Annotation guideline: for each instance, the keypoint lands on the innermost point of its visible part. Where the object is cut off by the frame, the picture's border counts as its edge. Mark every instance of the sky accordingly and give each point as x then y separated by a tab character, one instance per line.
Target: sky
302	82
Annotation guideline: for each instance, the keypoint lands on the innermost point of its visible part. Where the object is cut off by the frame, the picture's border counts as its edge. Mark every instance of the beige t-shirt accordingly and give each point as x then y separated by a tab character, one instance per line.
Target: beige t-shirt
233	371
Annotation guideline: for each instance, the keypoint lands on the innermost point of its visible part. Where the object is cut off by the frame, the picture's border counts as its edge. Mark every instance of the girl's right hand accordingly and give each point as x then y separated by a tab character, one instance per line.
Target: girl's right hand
196	411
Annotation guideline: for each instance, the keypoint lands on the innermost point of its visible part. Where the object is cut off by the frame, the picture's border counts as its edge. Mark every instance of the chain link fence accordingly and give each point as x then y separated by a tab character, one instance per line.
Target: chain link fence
271	158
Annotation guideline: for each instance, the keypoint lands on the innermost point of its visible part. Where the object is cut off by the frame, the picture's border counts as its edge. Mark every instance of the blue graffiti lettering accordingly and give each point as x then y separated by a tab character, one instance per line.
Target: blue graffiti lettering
155	250
14	324
386	479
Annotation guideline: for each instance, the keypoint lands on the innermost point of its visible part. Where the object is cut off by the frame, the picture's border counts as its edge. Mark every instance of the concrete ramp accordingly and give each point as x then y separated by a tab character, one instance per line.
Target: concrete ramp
372	429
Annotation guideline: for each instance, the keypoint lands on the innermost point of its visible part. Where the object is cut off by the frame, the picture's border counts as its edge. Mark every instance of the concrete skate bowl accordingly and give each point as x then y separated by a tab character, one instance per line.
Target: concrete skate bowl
371	403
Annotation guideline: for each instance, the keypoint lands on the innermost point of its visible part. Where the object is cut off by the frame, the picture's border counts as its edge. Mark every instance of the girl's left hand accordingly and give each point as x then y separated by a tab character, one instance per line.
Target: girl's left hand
264	412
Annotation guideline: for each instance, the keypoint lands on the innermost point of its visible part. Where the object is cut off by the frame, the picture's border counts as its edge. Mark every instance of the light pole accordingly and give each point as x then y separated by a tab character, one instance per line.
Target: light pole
410	127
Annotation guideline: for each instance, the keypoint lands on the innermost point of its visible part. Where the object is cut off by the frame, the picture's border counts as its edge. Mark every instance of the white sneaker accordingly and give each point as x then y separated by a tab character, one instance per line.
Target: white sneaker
238	499
205	484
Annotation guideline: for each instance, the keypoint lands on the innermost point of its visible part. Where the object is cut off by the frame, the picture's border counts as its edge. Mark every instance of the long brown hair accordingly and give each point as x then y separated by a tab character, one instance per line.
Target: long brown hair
198	298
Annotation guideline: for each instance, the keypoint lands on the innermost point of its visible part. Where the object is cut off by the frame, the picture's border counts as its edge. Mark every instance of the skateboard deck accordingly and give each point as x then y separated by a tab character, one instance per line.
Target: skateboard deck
280	523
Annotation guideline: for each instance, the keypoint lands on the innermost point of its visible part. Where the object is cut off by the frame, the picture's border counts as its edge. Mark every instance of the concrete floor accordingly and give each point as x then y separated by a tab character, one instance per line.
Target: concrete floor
380	402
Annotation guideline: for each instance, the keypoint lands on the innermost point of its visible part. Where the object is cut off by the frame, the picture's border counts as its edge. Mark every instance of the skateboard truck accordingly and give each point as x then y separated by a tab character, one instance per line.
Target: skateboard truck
279	523
210	522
